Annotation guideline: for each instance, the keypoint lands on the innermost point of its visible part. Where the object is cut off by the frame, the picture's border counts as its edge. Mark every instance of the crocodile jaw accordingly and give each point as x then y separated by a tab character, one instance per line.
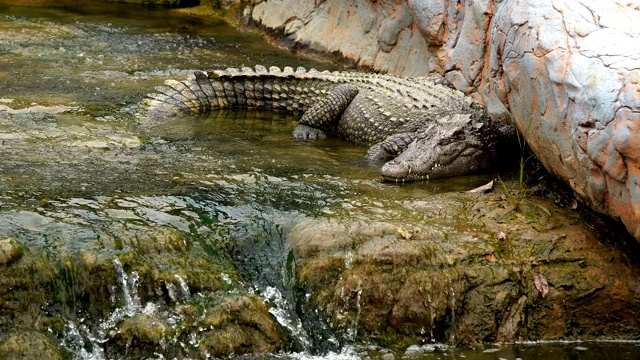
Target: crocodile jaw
419	162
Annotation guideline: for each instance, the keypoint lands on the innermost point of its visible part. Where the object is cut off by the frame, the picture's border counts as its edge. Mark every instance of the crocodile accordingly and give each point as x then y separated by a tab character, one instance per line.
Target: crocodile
421	127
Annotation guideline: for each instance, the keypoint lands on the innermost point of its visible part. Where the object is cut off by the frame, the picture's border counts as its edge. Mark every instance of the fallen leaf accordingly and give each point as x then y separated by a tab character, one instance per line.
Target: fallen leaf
490	257
405	234
501	236
541	284
503	197
488	187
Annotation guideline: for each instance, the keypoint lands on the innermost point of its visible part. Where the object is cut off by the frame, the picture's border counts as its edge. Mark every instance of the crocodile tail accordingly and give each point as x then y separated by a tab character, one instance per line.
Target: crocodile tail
180	97
271	89
262	88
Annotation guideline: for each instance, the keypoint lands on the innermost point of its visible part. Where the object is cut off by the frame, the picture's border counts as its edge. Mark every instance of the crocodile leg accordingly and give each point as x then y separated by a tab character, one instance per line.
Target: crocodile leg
325	113
391	147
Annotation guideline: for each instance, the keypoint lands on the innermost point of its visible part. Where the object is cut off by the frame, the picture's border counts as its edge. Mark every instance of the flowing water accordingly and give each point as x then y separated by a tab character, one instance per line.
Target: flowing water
83	181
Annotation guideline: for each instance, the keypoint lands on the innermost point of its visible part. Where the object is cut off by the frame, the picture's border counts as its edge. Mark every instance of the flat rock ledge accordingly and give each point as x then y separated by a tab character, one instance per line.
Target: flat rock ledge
567	72
470	272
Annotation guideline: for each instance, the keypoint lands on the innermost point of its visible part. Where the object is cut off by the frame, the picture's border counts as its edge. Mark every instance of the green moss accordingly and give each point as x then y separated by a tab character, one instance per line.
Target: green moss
142	331
29	345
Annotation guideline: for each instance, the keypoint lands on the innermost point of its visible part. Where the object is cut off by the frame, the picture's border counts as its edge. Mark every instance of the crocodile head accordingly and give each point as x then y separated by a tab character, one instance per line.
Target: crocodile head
457	147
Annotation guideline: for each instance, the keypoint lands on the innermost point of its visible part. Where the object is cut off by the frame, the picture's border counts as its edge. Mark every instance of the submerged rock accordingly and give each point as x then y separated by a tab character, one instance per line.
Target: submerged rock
454	281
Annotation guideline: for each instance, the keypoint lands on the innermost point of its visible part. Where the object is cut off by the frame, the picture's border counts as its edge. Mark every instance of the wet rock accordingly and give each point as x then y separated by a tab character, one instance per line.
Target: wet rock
439	285
10	252
140	335
240	325
131	282
29	345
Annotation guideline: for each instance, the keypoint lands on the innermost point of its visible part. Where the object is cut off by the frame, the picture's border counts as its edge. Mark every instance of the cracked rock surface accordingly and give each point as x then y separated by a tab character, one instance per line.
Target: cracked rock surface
581	62
567	72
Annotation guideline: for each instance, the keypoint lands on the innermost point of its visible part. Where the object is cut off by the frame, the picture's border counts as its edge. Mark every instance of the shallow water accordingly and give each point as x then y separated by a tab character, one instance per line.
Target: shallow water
80	173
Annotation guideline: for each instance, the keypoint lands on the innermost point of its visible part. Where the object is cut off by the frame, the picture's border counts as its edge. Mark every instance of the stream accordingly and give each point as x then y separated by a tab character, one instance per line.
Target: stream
139	237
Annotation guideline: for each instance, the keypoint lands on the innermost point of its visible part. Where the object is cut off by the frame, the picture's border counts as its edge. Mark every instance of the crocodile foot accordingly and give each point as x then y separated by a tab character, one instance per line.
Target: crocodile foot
306	132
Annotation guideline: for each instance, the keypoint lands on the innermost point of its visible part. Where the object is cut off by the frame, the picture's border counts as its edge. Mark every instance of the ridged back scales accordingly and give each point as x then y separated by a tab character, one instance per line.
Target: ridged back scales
290	90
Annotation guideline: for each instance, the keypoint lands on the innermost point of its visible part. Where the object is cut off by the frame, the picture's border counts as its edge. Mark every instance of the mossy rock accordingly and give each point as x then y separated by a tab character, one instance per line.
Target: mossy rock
141	335
29	345
451	278
240	325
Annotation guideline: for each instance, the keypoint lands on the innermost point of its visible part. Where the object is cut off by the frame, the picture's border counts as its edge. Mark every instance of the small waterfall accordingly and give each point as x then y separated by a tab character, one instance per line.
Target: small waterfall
263	256
432	315
184	288
452	326
348	260
352	331
85	343
129	288
284	312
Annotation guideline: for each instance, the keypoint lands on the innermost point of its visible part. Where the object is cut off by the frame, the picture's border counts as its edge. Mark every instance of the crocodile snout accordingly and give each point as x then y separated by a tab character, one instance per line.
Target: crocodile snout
397	170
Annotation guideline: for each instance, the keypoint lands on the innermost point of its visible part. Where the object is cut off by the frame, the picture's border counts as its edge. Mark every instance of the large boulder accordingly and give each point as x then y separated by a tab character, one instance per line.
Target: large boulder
566	72
570	70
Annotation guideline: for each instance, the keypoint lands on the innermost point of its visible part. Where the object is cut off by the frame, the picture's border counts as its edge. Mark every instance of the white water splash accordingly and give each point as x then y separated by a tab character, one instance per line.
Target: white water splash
171	291
453	316
129	288
226	278
78	335
348	260
74	339
184	287
347	353
285	314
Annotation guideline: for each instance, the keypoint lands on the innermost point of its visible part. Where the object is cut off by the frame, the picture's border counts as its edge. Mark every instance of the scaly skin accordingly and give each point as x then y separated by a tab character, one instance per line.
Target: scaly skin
426	129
